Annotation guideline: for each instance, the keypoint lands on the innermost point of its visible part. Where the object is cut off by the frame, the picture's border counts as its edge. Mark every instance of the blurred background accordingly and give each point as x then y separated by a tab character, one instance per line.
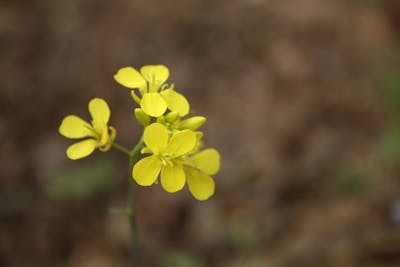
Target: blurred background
302	99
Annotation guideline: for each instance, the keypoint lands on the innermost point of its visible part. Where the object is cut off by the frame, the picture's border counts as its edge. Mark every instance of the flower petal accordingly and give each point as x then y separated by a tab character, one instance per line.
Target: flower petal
100	112
156	137
157	74
153	104
172	178
146	170
207	161
130	78
81	149
201	185
181	143
74	127
176	101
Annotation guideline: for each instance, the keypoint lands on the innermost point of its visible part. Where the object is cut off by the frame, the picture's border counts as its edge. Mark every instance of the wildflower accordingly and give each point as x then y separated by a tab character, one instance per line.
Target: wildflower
98	134
170	157
156	95
166	157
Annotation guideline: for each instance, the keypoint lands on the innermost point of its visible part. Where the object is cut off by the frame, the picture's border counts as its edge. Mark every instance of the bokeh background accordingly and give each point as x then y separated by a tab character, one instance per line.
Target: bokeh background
302	99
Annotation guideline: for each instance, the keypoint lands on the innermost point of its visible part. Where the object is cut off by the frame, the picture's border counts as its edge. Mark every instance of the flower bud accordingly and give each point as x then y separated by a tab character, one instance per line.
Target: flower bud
172	116
192	123
161	119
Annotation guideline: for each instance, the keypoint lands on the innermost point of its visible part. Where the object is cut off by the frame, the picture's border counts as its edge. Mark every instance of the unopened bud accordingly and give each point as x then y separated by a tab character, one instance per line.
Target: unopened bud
172	116
192	123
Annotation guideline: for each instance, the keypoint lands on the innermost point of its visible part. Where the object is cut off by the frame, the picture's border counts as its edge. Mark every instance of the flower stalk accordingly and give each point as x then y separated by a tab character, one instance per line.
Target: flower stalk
131	215
121	149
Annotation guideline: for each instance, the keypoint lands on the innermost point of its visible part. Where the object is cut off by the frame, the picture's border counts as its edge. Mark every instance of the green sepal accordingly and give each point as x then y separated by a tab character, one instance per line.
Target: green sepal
142	117
135	97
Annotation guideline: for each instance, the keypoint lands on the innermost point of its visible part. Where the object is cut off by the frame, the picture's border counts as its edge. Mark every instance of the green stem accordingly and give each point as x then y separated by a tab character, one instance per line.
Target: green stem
132	219
136	150
121	148
130	212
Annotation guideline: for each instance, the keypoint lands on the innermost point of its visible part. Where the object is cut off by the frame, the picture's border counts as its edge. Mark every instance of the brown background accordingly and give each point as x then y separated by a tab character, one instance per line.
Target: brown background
302	99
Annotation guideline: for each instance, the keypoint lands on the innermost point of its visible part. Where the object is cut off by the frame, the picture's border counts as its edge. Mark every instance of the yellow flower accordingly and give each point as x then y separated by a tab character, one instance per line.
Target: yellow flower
166	157
98	134
156	98
169	156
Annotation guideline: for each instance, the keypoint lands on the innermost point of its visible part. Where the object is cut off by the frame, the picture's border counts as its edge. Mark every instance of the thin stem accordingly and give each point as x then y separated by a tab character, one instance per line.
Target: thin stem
136	150
121	148
132	219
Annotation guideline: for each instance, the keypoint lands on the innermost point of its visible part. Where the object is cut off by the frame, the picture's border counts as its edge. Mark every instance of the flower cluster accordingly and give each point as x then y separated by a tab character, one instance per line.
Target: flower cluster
170	140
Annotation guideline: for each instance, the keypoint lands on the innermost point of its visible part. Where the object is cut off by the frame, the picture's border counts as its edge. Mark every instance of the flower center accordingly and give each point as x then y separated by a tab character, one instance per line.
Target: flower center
166	159
96	134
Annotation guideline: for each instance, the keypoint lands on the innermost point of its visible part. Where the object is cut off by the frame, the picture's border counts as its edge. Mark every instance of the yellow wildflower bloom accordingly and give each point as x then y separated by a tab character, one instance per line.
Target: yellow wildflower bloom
169	156
98	134
156	98
166	157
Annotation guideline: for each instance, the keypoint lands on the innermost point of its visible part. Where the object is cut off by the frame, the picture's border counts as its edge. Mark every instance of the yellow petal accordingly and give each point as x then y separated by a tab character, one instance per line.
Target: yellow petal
181	143
207	161
81	149
172	178
146	170
130	78
153	104
157	74
156	137
176	102
201	185
74	127
100	112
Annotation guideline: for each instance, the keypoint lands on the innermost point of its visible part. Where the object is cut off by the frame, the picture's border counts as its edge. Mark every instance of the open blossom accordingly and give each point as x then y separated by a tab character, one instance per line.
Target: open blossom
166	157
170	160
156	95
97	134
